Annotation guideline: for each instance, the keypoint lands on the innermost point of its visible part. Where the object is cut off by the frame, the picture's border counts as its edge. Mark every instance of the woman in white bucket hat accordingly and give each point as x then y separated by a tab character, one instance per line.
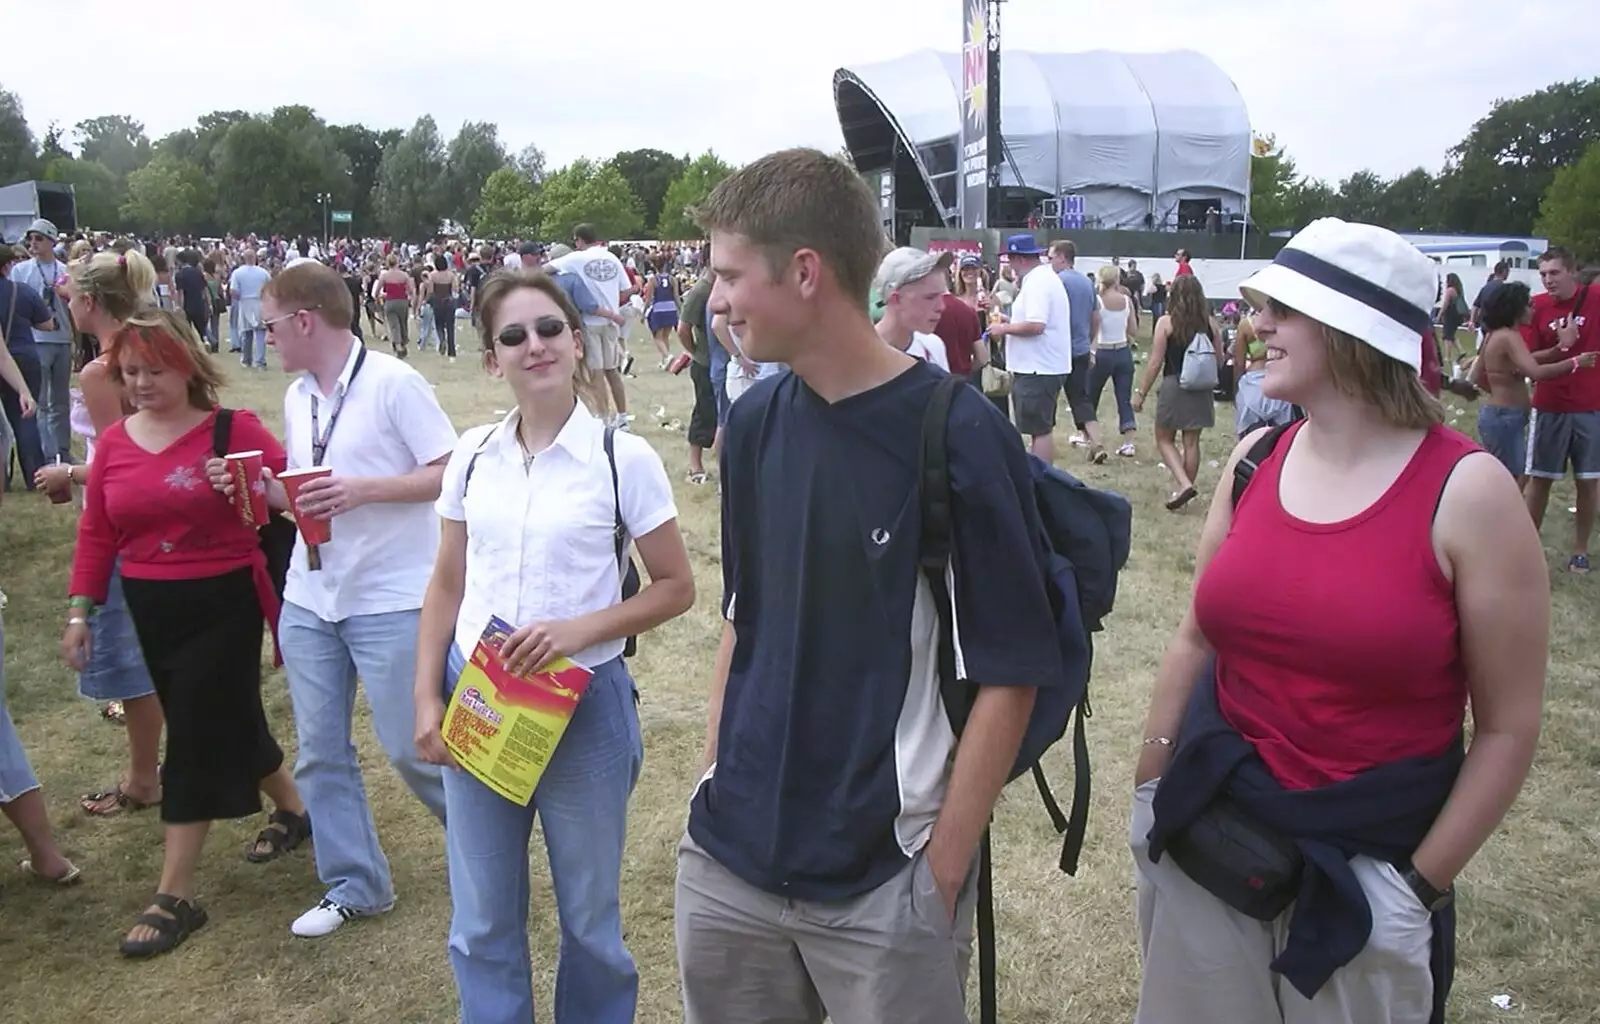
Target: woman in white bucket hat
1304	800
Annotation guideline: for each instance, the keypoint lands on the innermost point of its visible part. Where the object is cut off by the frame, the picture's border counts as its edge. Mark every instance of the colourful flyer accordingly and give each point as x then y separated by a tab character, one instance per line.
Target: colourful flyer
504	728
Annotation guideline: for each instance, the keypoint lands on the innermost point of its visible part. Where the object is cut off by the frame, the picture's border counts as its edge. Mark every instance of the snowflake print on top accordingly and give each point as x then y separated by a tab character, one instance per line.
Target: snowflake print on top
183	478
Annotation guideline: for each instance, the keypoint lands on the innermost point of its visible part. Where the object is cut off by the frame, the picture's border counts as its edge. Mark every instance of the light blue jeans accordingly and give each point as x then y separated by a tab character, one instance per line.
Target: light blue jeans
253	347
582	804
322	660
427	330
16	774
55	400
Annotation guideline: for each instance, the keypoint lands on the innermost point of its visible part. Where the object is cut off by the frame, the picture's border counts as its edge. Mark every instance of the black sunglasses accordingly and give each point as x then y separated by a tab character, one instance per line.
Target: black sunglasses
546	327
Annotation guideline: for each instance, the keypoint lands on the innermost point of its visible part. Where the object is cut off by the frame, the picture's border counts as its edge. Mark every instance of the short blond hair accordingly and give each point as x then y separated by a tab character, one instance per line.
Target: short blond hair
314	288
802	199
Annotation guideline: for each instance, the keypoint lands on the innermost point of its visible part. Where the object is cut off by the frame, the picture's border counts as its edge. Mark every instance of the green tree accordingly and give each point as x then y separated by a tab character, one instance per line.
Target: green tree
19	153
98	193
51	148
474	154
1271	178
1498	174
1361	197
409	200
1306	200
648	173
116	141
264	182
1411	202
508	206
363	154
1569	213
586	192
531	163
168	194
689	190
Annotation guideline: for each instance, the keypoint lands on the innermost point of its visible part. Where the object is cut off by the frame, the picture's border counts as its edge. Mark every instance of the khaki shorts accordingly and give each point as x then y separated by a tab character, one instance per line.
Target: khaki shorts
602	346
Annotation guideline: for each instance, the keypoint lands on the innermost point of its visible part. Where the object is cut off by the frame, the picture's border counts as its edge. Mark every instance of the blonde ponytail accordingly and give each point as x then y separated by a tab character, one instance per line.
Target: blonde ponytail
120	284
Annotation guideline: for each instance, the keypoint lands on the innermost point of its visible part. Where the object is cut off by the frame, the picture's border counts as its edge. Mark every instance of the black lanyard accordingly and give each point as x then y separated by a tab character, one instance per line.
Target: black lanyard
319	440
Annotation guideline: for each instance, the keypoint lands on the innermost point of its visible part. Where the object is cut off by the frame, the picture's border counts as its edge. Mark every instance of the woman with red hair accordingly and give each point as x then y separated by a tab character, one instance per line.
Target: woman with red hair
197	587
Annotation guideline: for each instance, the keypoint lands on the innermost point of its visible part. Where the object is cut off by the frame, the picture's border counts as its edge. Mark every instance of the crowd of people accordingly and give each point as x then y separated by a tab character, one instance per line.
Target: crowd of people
1379	575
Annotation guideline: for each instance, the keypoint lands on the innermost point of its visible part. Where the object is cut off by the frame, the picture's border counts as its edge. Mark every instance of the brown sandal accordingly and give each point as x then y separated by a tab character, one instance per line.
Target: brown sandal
113	801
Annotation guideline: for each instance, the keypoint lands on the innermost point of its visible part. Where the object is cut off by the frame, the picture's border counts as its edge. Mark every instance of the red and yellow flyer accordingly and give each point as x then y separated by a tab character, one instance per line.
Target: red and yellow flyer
504	728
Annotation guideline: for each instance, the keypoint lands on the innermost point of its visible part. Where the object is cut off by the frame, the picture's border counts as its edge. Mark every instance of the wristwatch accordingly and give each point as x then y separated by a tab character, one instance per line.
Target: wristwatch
1434	899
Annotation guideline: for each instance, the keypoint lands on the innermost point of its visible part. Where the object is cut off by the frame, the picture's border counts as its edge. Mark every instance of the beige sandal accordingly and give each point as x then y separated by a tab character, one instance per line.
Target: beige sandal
72	875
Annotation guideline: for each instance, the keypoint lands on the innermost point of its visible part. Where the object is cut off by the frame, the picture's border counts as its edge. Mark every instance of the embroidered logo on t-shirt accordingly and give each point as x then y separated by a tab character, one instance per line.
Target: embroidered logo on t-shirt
880	536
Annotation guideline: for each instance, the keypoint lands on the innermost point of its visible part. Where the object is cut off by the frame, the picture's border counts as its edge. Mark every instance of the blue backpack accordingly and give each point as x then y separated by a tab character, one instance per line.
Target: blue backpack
1088	533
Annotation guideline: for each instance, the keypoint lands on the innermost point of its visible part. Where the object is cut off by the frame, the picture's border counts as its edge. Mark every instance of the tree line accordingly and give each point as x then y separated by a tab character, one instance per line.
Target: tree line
1531	166
287	171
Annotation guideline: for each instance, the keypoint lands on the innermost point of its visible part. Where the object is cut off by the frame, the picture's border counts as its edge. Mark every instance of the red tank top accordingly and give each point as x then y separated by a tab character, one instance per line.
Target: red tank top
394	291
1338	644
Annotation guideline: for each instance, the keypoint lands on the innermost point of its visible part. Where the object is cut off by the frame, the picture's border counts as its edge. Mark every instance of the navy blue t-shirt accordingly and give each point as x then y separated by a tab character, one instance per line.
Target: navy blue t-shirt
833	747
26	309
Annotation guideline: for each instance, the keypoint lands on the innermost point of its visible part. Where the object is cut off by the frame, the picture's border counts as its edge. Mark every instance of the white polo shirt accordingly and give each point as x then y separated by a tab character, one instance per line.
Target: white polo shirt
1042	299
539	535
930	348
381	555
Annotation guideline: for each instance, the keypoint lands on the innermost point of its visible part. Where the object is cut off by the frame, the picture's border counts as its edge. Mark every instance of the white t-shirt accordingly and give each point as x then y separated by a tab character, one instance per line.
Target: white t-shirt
540	542
514	261
1042	299
380	555
929	347
606	276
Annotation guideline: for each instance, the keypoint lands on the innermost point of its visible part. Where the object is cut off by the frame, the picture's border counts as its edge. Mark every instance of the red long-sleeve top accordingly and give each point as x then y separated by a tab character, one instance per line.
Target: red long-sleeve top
160	514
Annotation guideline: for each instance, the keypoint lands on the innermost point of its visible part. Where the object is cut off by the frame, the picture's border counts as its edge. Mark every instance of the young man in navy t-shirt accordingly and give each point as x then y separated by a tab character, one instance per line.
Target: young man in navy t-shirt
829	863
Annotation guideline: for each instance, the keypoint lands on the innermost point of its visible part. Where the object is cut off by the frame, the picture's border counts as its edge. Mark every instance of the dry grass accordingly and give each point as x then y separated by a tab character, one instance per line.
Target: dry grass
1531	900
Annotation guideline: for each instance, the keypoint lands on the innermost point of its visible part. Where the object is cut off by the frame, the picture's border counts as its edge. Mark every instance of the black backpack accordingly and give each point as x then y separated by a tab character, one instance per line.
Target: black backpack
1088	533
619	532
1245	469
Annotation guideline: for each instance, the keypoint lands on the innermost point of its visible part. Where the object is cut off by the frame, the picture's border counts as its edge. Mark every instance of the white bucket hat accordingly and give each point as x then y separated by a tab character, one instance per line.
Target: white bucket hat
1361	279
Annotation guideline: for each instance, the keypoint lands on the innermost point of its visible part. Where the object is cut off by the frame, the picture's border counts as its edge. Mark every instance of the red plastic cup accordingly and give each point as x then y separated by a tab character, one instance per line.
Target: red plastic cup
249	490
680	362
314	531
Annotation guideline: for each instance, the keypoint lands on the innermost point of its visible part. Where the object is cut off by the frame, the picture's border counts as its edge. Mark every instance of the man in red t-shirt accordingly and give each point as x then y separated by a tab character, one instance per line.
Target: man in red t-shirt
1565	429
1182	256
962	330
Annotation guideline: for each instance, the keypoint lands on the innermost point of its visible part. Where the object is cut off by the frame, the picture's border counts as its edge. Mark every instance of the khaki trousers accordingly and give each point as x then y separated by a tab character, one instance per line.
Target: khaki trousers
1205	961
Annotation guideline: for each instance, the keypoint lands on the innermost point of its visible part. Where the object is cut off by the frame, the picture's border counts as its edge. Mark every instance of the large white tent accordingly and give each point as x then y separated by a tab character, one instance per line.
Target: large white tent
1133	134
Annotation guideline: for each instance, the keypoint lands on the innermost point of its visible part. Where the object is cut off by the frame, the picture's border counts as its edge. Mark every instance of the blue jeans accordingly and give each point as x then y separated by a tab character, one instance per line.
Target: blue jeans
233	328
253	347
1115	365
55	400
1503	431
24	430
427	330
16	774
322	660
582	804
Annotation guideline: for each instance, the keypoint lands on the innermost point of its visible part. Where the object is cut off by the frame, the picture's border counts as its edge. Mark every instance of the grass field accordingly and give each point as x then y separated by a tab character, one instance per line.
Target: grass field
1530	902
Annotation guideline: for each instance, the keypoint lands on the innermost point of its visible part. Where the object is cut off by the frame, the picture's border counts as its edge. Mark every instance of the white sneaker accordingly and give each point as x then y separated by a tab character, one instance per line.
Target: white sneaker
325	918
1078	441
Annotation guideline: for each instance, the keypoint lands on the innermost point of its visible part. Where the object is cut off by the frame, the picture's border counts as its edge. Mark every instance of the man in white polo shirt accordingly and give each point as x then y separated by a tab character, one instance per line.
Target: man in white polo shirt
375	421
1038	343
913	284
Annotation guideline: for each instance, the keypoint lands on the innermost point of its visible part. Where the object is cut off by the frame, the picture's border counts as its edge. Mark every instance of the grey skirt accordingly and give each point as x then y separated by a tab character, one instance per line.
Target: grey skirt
1177	409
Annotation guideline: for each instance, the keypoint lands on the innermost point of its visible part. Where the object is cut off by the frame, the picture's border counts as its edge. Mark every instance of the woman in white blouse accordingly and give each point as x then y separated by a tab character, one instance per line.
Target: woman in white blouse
530	506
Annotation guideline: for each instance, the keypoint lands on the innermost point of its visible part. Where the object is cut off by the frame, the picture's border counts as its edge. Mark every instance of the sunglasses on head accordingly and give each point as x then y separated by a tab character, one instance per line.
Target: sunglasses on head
546	327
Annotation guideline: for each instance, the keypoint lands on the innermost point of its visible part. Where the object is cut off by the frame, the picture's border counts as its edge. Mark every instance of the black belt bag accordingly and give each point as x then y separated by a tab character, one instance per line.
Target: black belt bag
1244	863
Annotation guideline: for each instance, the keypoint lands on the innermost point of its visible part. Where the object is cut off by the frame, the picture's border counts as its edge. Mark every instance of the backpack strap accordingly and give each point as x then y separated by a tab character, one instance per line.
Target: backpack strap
1245	469
221	430
619	532
472	463
933	554
935	544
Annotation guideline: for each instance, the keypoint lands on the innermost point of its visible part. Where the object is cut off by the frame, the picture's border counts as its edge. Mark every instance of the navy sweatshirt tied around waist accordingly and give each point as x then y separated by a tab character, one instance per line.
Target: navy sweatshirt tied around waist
1383	813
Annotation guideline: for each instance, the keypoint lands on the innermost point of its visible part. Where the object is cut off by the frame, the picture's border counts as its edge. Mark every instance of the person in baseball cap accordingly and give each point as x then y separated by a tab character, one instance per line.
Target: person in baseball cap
1374	574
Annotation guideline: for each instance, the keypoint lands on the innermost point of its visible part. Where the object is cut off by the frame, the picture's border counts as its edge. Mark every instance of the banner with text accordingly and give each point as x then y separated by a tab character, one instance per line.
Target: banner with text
974	163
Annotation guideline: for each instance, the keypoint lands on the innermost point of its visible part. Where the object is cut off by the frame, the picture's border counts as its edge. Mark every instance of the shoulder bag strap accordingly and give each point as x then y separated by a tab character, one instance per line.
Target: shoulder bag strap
1245	469
619	532
221	430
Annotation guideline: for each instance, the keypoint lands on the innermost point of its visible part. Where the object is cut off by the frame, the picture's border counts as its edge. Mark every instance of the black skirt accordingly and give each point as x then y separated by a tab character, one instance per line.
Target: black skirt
202	643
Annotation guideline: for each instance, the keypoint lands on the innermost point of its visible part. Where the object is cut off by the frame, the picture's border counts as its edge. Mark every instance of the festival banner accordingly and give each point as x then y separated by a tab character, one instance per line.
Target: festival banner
504	728
974	158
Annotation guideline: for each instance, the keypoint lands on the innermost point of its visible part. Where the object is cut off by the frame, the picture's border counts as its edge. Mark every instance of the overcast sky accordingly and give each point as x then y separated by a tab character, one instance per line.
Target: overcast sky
1385	84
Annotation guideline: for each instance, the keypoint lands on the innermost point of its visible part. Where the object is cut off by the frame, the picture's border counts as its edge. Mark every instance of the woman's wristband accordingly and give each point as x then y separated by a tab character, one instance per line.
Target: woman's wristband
80	601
